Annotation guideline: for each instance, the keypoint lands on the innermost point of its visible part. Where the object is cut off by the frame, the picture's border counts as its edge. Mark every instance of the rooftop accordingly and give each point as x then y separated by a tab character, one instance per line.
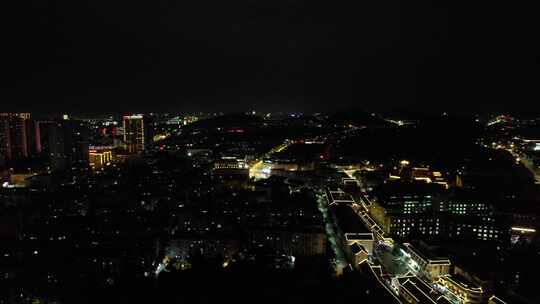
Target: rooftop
443	300
417	288
426	253
357	248
359	236
463	283
340	197
348	220
396	189
496	300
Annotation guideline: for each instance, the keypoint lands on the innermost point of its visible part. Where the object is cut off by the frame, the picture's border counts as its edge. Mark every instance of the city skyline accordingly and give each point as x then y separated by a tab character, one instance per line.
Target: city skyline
269	151
344	206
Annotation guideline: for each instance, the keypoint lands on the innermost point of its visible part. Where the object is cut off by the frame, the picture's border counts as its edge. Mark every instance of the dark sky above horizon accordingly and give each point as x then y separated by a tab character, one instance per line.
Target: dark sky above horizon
96	55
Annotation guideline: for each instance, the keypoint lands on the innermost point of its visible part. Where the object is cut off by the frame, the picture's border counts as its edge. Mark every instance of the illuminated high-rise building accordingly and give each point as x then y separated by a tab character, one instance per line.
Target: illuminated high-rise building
68	145
5	145
150	125
13	136
134	133
33	137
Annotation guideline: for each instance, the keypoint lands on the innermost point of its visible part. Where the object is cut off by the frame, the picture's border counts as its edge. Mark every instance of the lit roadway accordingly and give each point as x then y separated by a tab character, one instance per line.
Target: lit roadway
322	203
531	167
523	160
527	163
259	170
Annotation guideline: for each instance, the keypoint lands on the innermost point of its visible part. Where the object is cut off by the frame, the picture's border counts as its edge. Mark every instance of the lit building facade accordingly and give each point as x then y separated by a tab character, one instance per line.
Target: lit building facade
407	210
13	135
415	291
100	157
134	133
439	216
230	163
467	291
431	266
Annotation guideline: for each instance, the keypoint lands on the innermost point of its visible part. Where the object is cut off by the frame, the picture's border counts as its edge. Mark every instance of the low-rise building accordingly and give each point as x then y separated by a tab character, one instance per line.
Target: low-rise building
467	291
230	165
100	157
364	239
337	196
495	300
415	291
424	262
351	229
359	254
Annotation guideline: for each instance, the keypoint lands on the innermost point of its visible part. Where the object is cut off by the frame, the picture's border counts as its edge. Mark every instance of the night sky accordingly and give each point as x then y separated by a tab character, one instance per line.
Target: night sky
268	55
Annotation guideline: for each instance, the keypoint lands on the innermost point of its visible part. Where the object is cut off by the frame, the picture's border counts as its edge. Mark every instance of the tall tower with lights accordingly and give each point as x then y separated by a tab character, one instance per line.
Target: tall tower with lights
134	133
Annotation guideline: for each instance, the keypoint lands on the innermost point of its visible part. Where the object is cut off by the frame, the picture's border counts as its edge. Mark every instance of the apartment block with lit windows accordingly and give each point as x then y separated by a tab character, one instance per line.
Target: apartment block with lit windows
409	210
134	133
13	135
